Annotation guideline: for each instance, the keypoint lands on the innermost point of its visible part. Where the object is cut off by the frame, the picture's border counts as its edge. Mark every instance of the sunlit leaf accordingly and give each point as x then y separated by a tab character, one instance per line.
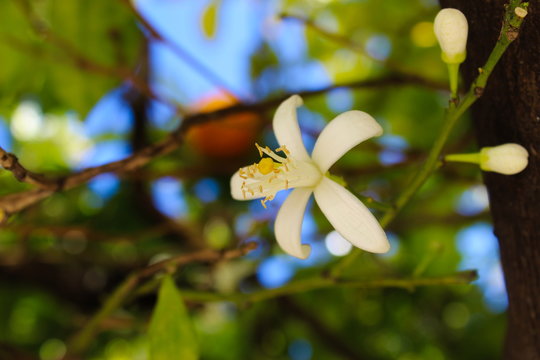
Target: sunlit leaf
209	19
171	333
71	64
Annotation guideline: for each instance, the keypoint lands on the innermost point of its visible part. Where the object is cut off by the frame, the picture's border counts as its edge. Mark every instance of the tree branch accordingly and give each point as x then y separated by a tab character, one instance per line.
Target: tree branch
344	41
14	203
11	163
183	54
306	285
82	339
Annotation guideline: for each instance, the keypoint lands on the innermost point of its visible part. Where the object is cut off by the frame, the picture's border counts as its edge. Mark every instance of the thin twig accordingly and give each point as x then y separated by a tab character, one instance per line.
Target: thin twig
82	339
306	285
13	203
345	41
11	163
183	54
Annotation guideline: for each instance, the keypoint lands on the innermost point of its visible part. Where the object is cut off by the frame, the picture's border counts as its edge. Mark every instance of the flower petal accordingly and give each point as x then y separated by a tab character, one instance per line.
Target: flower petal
236	189
286	128
236	185
350	217
342	134
289	223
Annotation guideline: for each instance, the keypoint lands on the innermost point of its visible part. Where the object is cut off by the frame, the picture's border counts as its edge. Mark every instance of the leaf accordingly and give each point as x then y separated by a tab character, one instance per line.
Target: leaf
171	332
102	32
209	19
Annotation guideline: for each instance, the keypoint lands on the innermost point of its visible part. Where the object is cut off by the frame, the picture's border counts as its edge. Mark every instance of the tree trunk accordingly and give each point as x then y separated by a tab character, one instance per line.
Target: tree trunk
509	111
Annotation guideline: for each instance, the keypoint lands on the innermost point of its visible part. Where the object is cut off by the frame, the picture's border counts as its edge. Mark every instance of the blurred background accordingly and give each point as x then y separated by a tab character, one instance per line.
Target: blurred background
84	83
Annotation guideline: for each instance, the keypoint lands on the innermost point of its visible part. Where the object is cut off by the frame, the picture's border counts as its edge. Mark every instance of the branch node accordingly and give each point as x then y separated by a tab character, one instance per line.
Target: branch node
512	33
478	91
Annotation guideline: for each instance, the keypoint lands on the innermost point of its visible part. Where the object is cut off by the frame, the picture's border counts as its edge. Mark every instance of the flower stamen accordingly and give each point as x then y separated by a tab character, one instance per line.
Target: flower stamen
274	173
266	199
266	150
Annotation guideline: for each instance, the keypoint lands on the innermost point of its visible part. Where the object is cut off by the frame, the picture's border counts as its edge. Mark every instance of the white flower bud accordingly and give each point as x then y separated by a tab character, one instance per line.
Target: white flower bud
451	30
506	159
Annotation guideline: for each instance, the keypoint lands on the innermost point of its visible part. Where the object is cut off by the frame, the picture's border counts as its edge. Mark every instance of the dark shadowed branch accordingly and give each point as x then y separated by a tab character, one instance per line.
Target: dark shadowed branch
48	185
81	340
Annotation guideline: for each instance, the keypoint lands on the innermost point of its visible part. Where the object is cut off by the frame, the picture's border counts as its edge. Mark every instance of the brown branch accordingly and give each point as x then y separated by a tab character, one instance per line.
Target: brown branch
99	235
82	339
17	202
387	81
11	163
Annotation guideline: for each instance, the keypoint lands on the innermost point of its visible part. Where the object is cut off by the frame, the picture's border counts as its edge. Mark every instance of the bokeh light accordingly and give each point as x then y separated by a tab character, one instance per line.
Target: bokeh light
379	46
473	201
207	190
5	135
27	121
52	349
275	271
422	34
104	185
300	349
168	196
479	248
336	244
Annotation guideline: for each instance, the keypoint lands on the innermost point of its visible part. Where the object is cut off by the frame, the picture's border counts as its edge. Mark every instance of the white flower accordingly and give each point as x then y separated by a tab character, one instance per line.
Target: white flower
506	159
451	29
296	169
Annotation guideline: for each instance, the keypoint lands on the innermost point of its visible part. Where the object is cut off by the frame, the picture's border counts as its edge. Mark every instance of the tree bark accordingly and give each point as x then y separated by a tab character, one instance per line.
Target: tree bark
509	111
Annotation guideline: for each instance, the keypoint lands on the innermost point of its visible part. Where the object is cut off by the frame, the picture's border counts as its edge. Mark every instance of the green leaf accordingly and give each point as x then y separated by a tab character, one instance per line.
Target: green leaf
171	332
102	32
209	19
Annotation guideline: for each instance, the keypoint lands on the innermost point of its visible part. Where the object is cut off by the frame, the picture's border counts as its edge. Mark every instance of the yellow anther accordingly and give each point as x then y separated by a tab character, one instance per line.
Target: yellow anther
265	166
260	149
242	174
266	199
283	149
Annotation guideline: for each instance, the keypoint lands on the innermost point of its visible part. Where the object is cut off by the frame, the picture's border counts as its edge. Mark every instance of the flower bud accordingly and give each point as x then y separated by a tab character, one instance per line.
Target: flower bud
520	12
451	30
506	159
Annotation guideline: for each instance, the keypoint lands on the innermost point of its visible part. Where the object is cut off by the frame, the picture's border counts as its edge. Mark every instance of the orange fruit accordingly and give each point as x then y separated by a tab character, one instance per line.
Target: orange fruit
227	137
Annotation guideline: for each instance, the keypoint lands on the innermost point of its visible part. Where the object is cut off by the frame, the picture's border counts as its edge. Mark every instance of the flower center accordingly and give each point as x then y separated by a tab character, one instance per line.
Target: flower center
274	173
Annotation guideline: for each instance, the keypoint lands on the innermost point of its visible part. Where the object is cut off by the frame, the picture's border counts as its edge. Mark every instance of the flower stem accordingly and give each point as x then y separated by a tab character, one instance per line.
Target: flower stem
509	32
466	158
453	72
